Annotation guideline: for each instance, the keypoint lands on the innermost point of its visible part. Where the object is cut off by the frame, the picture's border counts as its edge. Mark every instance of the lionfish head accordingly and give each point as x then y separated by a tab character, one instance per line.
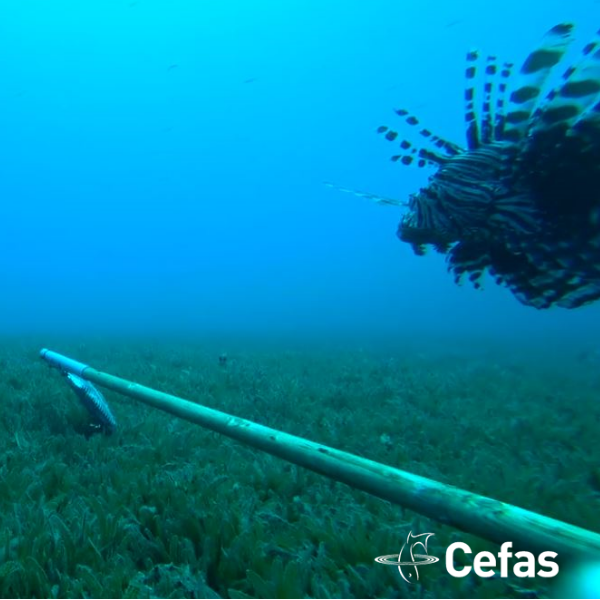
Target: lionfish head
457	202
416	229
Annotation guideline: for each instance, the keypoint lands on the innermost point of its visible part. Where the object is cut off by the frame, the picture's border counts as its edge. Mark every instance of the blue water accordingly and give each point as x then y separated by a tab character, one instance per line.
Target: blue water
162	165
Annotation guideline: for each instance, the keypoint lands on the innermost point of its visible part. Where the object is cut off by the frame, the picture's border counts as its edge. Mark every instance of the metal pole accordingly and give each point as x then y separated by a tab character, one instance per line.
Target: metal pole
484	517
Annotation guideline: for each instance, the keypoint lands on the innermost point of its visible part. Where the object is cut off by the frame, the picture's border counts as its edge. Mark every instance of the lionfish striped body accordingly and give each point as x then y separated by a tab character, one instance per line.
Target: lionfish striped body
522	201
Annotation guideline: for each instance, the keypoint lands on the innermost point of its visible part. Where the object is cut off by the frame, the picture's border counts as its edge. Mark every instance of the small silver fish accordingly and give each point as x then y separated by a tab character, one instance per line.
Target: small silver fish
93	401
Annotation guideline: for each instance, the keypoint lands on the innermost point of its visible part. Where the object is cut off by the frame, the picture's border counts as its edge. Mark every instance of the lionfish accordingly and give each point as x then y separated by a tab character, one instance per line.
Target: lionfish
522	200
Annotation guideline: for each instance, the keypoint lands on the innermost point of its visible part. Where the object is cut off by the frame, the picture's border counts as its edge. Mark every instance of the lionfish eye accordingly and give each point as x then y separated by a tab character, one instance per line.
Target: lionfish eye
412	200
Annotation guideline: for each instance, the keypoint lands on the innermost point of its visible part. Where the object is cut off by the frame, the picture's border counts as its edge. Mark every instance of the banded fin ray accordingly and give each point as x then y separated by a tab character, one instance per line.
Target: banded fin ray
488	108
484	118
500	117
579	91
590	120
532	77
473	141
421	156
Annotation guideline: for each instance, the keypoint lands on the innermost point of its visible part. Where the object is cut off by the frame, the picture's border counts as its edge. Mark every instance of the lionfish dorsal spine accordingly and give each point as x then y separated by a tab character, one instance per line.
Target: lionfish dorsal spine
472	126
488	108
500	118
573	100
533	76
591	119
440	149
484	117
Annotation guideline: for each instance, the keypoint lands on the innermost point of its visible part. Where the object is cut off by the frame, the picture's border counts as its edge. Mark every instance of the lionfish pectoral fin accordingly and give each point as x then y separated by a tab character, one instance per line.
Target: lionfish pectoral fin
540	275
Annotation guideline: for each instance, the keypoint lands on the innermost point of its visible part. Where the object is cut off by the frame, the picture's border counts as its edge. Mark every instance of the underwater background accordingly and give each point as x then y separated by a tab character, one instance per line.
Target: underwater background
161	176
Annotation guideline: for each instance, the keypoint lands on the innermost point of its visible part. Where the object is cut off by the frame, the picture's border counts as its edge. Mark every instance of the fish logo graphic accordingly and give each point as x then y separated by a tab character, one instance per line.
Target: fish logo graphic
412	555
